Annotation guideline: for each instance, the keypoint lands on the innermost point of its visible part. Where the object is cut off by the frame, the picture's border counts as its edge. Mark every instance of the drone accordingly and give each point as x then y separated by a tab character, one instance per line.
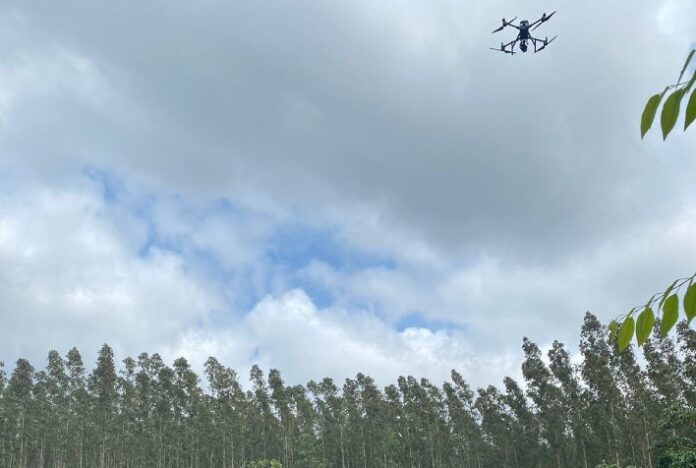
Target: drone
524	35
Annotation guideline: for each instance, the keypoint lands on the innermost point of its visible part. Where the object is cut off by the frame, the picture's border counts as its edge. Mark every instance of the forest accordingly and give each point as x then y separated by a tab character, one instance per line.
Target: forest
608	409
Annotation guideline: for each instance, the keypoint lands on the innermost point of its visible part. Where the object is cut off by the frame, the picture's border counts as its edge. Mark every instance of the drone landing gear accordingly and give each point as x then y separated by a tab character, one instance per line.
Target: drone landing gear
544	43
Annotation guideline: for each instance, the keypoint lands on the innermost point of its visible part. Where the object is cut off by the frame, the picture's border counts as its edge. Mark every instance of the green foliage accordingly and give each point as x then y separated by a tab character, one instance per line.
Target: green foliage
670	112
604	465
690	302
649	113
676	442
626	333
672	105
668	302
644	325
685	459
670	314
264	464
690	111
604	409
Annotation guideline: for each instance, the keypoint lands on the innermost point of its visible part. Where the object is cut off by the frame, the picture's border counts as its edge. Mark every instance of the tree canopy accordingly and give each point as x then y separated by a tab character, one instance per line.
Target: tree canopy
601	408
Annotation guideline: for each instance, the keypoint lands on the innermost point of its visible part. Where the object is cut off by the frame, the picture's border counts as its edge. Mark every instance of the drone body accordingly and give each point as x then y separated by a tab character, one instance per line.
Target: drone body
524	35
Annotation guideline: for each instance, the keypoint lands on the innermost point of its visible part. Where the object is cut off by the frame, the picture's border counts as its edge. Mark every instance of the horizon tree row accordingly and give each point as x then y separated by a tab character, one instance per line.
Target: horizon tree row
605	411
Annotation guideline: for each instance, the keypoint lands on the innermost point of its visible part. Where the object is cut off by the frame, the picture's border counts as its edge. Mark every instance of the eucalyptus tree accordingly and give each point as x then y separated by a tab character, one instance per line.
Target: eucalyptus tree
640	406
266	426
78	425
280	398
466	434
188	411
307	452
603	411
375	425
497	428
18	404
419	413
4	421
331	421
686	338
663	367
396	448
55	379
102	386
127	422
525	428
548	400
573	399
355	432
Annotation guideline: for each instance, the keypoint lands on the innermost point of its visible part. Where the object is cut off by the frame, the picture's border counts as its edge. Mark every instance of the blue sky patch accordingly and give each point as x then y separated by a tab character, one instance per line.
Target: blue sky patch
110	185
417	320
296	245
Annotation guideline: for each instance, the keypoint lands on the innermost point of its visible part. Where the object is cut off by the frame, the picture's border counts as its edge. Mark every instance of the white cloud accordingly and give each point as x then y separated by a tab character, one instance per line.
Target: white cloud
67	277
509	194
288	332
677	19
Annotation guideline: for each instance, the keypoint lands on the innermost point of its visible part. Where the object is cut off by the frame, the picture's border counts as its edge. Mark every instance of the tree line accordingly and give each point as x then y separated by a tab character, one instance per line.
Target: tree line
606	409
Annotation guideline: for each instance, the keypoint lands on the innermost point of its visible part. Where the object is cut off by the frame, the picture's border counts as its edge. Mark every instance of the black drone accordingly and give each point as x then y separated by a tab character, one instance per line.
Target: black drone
524	35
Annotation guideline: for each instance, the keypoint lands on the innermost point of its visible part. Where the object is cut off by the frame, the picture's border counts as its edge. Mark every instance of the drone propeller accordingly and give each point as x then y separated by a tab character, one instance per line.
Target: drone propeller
543	19
505	23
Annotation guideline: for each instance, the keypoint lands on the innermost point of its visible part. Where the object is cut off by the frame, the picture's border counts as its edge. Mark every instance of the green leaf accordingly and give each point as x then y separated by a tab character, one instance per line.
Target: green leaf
644	325
686	64
691	82
670	314
690	110
690	303
649	112
670	112
626	333
665	295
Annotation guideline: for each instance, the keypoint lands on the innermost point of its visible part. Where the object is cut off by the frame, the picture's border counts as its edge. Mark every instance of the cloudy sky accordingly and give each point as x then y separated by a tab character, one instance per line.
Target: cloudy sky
333	187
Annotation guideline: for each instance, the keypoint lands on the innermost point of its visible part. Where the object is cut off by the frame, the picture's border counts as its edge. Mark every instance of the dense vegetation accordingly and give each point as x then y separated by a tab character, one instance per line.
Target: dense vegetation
604	409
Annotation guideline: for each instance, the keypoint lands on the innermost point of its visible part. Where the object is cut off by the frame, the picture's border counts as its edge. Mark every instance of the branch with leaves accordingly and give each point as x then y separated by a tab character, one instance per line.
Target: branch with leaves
624	328
672	105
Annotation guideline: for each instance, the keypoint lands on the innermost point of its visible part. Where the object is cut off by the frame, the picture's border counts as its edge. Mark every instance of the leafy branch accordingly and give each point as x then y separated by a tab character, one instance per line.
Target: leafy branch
626	326
672	105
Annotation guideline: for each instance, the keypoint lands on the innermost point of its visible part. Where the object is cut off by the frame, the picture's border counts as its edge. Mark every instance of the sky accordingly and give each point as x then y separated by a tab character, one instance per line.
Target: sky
329	188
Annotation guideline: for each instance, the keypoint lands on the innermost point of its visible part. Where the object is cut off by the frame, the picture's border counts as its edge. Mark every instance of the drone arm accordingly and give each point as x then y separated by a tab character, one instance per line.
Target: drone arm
507	23
537	22
544	18
504	26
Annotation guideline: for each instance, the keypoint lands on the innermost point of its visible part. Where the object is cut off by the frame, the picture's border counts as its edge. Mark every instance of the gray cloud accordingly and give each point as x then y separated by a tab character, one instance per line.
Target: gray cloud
482	175
353	103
